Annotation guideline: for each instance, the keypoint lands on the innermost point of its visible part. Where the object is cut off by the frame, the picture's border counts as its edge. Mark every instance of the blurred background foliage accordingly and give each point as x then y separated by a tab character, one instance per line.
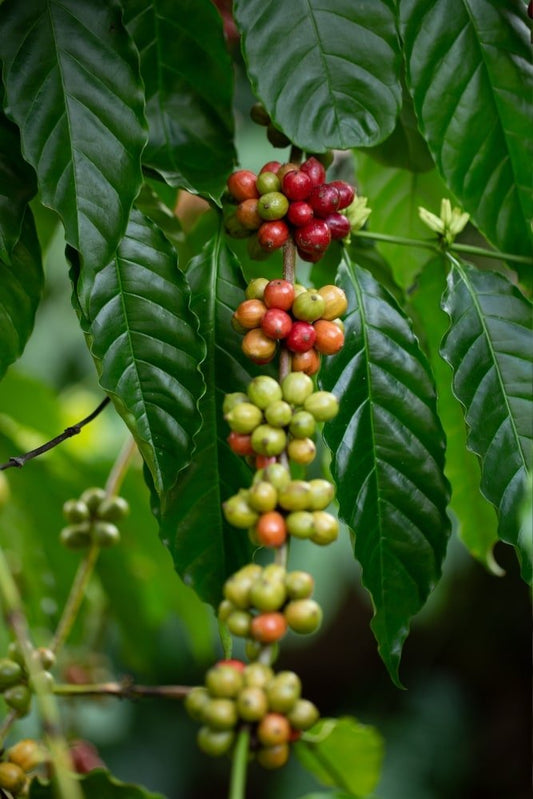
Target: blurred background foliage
461	730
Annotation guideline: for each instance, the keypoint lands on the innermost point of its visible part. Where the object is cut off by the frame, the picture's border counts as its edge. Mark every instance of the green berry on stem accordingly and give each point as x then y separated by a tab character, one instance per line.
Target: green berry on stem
75	511
76	536
252	703
326	528
283	691
279	413
295	496
195	702
335	301
301	450
299	585
113	509
256	288
12	778
300	524
272	205
105	534
220	714
238	512
308	307
277	474
11	673
215	742
268	595
224	681
92	497
257	674
303	616
296	387
268	440
303	715
323	405
239	623
18	697
302	424
263	390
224	609
322	493
263	496
244	417
268	182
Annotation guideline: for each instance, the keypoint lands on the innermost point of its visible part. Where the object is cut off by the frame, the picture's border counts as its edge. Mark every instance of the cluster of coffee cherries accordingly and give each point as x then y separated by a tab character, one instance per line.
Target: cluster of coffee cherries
269	704
15	684
18	765
92	519
272	418
262	603
305	321
286	200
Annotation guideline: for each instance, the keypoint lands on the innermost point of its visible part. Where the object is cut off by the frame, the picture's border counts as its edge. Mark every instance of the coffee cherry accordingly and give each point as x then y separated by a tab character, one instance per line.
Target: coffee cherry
239	623
27	754
302	424
339	226
335	301
301	450
46	657
273	235
315	170
299	584
276	137
303	616
12	778
261	461
322	493
346	193
242	185
105	534
268	595
238	512
244	417
255	288
15	653
308	307
274	572
257	675
306	362
233	227
276	323
18	697
283	691
272	205
238	665
268	440
300	524
215	742
268	181
231	400
10	673
296	387
296	185
248	215
314	237
195	702
113	509
220	714
303	715
273	729
271	530
268	628
240	443
262	496
276	474
301	338
324	199
279	294
237	587
258	347
295	496
249	313
287	167
270	166
326	528
300	214
75	511
252	703
92	497
76	536
310	257
223	681
329	339
272	757
263	390
339	323
322	405
259	114
224	609
278	414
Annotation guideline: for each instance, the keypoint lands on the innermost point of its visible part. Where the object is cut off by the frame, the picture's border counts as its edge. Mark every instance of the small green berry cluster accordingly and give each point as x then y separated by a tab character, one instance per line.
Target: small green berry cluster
15	684
269	704
92	519
262	603
19	761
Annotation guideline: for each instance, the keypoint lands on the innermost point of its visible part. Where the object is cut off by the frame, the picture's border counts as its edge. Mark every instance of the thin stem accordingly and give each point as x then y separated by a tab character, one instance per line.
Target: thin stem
120	468
67	787
239	766
500	256
75	598
18	461
6	726
122	690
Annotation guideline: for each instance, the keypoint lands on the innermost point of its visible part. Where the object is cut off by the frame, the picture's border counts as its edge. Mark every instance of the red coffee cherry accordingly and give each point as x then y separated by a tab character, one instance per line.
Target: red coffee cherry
315	170
307	362
240	443
329	338
339	225
314	237
267	628
324	199
296	185
301	338
310	257
262	461
300	214
284	168
241	185
276	323
247	215
258	347
273	729
249	313
346	193
271	530
279	294
270	166
272	235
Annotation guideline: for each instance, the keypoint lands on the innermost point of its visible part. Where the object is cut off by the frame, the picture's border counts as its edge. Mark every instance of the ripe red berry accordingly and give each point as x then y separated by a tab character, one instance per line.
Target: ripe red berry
268	627
262	461
329	338
247	215
272	235
310	257
258	347
276	323
240	443
271	530
339	225
324	199
314	237
307	362
300	214
270	166
296	185
249	313
238	665
241	185
315	170
279	294
301	338
346	193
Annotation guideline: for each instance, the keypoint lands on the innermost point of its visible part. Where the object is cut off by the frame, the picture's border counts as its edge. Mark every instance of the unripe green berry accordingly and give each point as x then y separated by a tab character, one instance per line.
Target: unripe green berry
278	414
296	388
46	657
267	595
92	498
220	714
256	288
257	674
295	496
274	573
250	571
303	423
196	701
231	400
12	778
299	288
239	623
267	182
268	440
244	417
215	742
301	450
263	390
283	691
113	509
263	497
303	715
272	205
322	493
75	511
76	536
252	703
223	681
309	306
15	653
277	474
300	524
10	673
323	405
271	757
105	534
237	591
18	697
303	616
299	585
224	609
326	528
238	512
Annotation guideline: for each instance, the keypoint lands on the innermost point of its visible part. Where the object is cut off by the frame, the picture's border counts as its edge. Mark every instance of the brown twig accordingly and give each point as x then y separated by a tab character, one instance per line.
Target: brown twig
125	689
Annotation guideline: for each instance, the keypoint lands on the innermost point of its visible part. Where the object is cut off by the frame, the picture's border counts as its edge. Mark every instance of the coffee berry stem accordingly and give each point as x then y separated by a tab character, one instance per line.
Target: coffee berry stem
122	690
239	765
6	726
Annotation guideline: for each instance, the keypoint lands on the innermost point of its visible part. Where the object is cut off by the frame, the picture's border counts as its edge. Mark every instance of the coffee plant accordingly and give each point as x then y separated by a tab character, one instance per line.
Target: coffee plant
332	343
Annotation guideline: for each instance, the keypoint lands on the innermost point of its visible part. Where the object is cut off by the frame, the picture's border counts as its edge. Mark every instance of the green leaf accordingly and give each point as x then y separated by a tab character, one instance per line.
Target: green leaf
489	349
98	784
388	458
394	196
143	338
477	525
188	78
73	88
21	285
17	187
168	223
470	72
343	753
327	73
205	549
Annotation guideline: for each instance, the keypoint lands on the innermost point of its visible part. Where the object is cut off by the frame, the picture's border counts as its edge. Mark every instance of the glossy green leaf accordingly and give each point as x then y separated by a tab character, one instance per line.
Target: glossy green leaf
343	753
394	196
188	80
21	285
387	458
144	340
151	206
205	549
326	72
470	72
97	784
489	347
477	524
17	187
73	88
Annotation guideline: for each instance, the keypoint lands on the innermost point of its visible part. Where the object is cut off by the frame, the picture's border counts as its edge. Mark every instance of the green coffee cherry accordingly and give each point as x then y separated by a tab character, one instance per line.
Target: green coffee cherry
75	511
308	306
92	498
263	496
263	390
10	673
322	493
238	623
301	450
224	609
267	182
113	509
276	474
15	653
279	413
295	496
46	657
18	697
231	400
299	585
76	536
237	591
105	534
252	703
238	512
296	388
215	742
326	528
256	288
195	702
283	692
302	424
12	778
257	675
303	715
267	595
268	440
272	205
220	714
244	417
323	405
223	681
303	616
274	573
